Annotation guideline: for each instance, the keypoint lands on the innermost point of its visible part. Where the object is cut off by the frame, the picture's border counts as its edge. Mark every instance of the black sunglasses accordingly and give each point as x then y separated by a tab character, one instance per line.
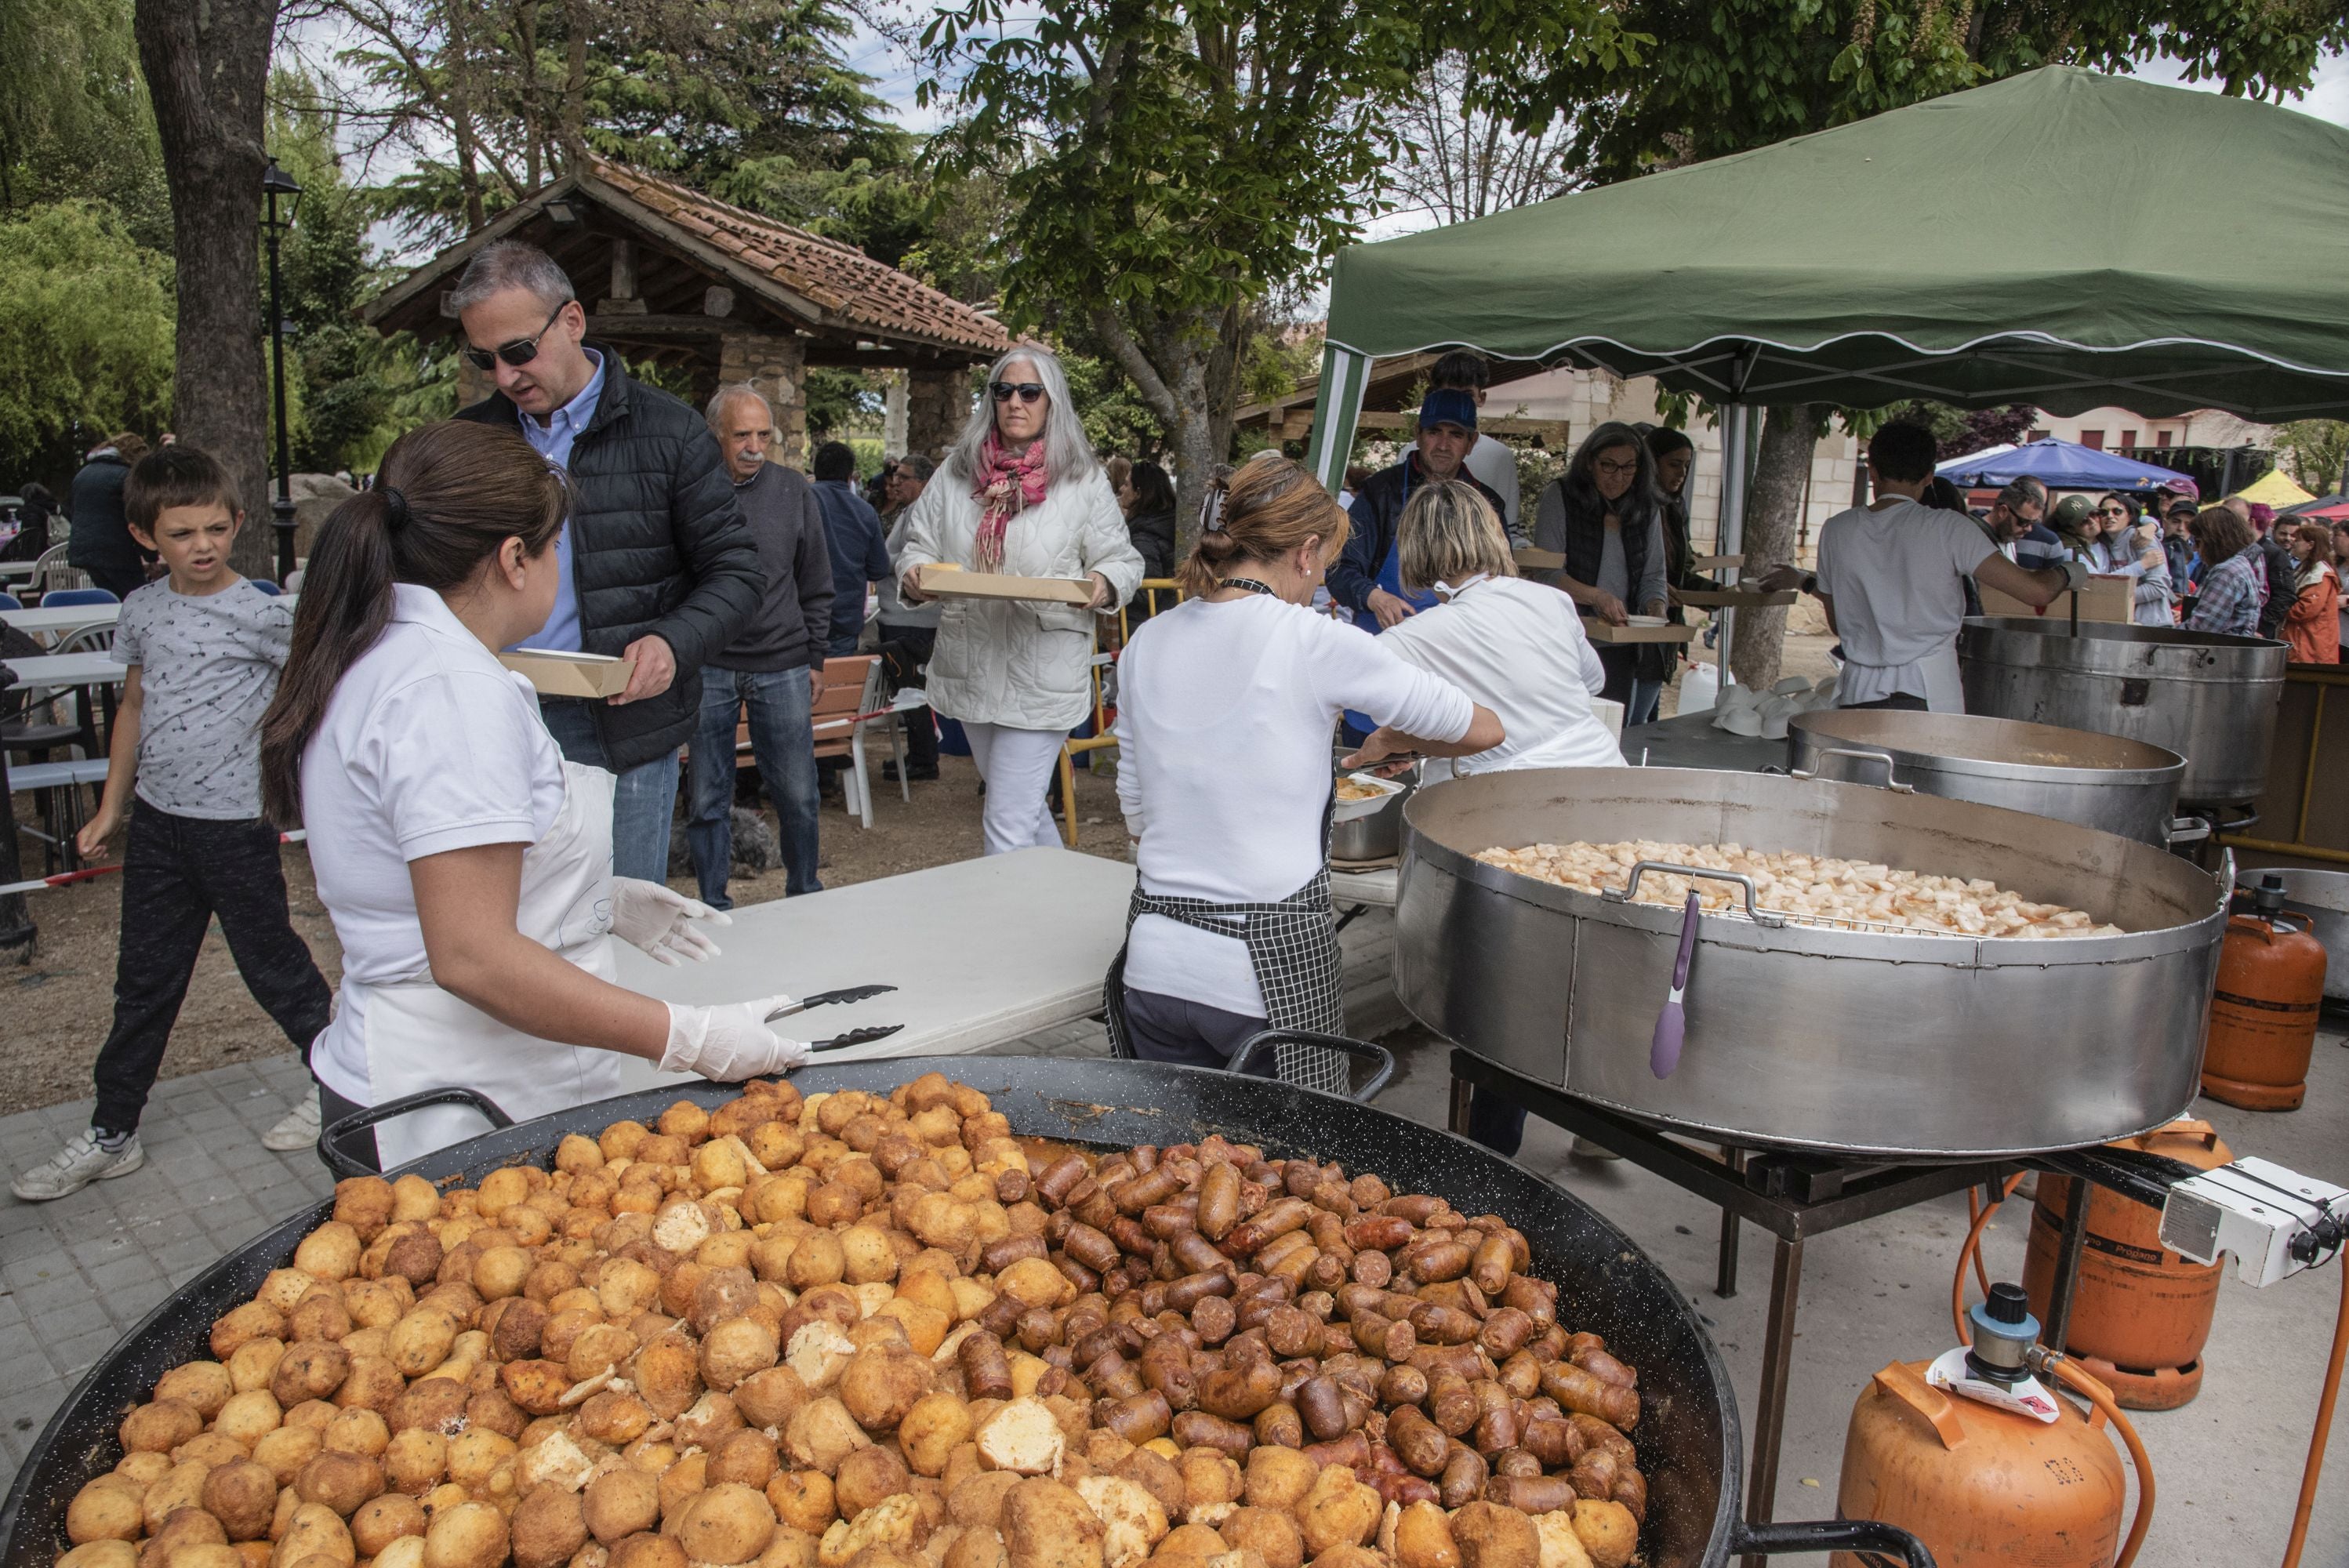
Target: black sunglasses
518	353
1029	391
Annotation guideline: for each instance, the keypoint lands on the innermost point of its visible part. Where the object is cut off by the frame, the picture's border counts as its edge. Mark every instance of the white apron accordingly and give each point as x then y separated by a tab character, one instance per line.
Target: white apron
417	1037
1944	683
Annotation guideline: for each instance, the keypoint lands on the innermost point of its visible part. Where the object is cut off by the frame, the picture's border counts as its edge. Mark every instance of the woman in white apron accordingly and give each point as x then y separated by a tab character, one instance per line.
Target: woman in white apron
1516	647
467	867
1227	708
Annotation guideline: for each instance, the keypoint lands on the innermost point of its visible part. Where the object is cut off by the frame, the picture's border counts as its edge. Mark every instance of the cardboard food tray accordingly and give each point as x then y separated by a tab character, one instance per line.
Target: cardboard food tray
955	583
556	672
1735	598
1532	560
2109	600
1600	630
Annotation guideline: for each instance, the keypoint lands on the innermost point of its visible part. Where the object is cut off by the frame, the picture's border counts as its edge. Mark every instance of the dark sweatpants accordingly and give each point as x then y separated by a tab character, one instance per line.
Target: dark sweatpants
178	873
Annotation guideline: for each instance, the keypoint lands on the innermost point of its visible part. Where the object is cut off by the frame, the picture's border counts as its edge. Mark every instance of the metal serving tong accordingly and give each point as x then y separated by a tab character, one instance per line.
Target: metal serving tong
858	1037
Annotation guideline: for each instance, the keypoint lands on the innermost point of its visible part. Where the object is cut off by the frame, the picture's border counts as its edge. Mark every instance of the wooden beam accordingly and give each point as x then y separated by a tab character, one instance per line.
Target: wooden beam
624	268
648	328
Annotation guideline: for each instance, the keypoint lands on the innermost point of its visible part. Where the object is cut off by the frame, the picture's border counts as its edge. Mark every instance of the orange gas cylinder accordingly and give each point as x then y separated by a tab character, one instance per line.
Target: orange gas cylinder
1980	1487
2263	1016
2140	1312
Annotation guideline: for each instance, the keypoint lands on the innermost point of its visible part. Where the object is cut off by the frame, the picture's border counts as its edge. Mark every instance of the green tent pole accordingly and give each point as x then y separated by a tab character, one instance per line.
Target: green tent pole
1336	406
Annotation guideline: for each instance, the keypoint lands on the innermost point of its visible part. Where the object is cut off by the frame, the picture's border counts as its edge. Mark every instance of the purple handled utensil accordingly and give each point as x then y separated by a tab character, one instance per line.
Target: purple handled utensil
1671	1023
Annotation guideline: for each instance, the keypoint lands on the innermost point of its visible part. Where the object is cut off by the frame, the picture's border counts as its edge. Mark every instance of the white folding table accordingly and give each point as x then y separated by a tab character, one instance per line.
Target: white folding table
43	619
981	952
70	670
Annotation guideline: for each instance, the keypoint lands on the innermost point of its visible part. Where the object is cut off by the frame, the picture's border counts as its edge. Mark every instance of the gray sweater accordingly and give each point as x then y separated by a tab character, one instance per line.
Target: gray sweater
788	630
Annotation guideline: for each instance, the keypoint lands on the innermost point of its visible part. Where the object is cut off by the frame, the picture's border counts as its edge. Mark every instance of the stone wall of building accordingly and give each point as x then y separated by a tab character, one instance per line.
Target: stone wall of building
937	404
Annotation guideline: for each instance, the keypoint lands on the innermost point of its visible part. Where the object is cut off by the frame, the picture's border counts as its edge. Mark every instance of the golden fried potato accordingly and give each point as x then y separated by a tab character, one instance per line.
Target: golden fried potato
204	1385
284	1451
107	1553
1560	1546
1272	1536
1423	1539
340	1480
252	1363
932	1429
321	1315
417	1459
422	1340
329	1252
880	1385
868	1477
736	1349
502	1271
771	1397
1340	1511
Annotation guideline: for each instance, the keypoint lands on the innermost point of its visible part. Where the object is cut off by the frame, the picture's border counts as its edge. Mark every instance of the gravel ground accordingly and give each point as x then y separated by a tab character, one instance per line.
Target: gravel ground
57	1008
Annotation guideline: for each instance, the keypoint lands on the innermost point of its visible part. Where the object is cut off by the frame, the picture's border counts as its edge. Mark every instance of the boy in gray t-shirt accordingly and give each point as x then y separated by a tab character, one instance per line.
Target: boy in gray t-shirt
204	647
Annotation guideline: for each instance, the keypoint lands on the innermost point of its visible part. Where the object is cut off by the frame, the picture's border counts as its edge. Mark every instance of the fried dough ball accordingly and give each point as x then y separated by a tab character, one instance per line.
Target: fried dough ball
107	1509
727	1524
414	1198
242	1495
417	1459
1560	1546
100	1554
340	1480
803	1500
318	1531
1341	1512
381	1521
620	1502
548	1526
329	1252
936	1426
160	1426
1607	1532
881	1386
284	1451
1491	1536
614	1417
821	1434
1047	1525
321	1315
868	1477
239	1325
647	1550
422	1340
735	1349
745	1457
204	1385
253	1363
470	1535
771	1397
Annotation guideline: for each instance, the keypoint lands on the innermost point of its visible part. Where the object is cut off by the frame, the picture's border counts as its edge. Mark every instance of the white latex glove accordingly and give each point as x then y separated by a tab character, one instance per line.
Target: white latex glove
2076	574
730	1043
662	922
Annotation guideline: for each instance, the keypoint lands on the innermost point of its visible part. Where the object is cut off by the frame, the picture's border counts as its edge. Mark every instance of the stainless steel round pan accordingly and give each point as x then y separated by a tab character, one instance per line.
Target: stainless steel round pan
1891	1044
1688	1436
2103	781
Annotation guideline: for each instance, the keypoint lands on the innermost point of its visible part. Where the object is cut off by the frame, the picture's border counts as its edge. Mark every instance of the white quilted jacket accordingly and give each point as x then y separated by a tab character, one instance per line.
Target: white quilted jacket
1005	662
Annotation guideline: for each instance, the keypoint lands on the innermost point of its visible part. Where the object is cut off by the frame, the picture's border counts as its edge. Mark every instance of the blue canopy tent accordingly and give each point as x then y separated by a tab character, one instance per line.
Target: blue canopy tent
2059	465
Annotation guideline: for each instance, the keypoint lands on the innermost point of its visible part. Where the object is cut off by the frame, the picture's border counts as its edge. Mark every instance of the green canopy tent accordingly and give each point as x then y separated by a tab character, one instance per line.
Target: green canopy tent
2062	238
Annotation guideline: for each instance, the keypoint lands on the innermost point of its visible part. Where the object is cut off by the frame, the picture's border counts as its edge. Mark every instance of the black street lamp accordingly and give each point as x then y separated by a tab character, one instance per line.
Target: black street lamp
277	183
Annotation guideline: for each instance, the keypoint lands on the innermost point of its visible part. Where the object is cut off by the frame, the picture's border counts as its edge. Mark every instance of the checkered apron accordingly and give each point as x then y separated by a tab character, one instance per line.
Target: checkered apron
1292	945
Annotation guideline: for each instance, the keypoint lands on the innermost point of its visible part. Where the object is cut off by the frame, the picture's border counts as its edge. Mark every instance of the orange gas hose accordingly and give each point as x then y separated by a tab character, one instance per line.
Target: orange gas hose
1973	1244
1982	1271
2317	1439
2096	1394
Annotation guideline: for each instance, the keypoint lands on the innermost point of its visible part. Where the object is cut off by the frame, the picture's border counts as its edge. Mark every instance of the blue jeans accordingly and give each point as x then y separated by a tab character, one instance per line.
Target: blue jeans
783	744
644	800
1646	697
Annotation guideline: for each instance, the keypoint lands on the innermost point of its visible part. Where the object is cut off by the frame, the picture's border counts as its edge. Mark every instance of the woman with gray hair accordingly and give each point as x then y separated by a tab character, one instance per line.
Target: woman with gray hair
1020	494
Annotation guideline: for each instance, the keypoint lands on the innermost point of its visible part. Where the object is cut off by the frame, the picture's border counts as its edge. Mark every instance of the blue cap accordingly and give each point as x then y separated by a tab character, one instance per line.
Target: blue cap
1448	406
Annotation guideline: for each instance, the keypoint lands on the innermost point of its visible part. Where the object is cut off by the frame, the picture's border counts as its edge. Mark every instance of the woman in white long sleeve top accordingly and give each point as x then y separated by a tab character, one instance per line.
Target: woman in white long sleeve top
1226	705
1020	494
467	866
1518	648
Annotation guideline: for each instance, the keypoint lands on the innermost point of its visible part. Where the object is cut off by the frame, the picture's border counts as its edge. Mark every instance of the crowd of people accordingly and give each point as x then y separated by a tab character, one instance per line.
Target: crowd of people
477	844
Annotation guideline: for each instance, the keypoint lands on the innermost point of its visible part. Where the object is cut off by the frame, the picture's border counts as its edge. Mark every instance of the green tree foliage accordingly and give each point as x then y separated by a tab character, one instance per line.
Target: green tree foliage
1740	73
75	121
85	335
2314	451
1169	161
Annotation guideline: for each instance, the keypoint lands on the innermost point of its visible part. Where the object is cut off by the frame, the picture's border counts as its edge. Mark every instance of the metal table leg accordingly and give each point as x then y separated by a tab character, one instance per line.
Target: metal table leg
1463	1096
1770	1408
2071	1243
1724	1284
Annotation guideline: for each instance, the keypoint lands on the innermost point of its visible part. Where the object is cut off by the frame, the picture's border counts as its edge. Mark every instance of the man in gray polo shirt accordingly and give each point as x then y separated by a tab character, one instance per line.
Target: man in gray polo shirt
774	667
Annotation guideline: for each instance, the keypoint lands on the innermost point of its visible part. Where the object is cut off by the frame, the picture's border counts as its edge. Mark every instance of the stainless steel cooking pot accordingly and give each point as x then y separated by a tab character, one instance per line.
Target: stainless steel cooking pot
1379	836
2324	898
2101	781
2210	698
1897	1045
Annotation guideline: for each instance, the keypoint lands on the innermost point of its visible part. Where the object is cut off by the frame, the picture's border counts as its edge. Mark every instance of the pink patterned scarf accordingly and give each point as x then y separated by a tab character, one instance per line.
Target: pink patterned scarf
1006	486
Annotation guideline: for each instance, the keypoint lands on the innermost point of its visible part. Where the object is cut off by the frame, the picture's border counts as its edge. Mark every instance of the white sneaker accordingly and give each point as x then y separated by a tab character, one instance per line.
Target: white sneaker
81	1162
299	1127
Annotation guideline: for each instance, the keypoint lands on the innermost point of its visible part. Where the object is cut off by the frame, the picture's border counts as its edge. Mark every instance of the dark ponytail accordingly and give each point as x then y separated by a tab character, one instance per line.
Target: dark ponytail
446	497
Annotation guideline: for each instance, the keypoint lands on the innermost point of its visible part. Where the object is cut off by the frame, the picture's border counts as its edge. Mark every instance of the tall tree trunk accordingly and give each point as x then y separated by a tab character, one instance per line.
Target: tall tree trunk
206	66
575	83
1185	369
1772	509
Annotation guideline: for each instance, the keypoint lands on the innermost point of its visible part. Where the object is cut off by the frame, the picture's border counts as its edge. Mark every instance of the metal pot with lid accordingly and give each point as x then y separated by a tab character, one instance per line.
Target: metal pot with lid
2210	698
2103	781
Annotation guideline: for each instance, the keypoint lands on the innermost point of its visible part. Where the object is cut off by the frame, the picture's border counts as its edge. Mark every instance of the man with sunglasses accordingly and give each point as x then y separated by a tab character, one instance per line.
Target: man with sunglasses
657	565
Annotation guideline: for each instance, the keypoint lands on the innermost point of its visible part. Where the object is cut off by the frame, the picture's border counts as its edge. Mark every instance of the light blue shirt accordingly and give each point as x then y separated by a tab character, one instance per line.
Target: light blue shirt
553	440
